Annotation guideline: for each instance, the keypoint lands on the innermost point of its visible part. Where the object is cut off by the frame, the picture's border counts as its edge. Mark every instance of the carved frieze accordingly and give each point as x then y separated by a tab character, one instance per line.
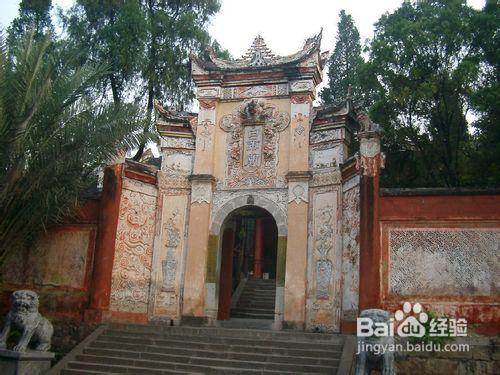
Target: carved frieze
254	91
178	142
252	143
278	196
208	92
133	254
298	86
323	178
329	135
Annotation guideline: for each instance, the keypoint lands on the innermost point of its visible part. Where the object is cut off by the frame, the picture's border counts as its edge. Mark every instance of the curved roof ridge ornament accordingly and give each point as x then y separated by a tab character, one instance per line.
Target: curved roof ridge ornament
260	56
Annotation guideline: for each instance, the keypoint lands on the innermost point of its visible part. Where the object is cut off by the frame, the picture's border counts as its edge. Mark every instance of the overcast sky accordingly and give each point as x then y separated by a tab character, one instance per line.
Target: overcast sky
283	24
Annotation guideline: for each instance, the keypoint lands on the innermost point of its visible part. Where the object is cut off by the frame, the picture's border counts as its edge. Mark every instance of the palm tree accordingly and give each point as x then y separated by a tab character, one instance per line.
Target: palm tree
53	138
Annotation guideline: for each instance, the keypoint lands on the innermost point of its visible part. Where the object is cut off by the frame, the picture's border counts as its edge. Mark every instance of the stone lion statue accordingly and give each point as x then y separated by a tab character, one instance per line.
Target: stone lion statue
369	356
24	316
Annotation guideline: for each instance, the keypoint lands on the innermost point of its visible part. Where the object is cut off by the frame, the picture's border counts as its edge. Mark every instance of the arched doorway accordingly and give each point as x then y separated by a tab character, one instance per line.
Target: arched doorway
249	241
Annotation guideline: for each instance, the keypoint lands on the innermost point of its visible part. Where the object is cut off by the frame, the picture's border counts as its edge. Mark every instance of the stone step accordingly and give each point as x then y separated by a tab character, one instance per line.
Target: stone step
186	355
83	367
212	332
255	305
162	338
165	345
196	364
242	323
253	309
250	315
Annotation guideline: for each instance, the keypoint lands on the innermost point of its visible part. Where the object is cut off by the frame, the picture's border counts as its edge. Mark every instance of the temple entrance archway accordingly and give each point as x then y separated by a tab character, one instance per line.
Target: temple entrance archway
248	252
225	271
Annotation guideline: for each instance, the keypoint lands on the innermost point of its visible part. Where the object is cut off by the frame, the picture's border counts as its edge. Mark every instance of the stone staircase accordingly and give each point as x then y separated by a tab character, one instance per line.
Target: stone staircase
256	300
162	349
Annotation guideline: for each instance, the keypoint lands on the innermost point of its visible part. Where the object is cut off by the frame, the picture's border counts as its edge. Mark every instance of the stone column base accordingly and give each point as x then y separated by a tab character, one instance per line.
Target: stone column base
25	363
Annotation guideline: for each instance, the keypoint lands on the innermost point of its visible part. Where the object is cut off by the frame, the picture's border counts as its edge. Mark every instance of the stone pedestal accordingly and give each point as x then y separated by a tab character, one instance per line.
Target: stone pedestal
25	363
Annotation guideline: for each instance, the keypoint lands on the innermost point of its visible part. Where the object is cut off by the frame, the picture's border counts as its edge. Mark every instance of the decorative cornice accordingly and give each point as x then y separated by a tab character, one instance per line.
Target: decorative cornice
298	175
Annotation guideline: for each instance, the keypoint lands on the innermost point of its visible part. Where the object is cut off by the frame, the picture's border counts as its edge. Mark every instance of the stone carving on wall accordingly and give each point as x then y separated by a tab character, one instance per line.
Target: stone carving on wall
326	156
254	91
325	136
331	177
178	142
278	196
296	86
254	129
201	192
134	249
299	132
208	92
298	191
205	134
443	261
173	239
324	270
176	167
350	250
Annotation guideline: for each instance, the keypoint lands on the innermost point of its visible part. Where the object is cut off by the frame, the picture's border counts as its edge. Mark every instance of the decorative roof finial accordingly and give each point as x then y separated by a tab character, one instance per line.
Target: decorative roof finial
258	54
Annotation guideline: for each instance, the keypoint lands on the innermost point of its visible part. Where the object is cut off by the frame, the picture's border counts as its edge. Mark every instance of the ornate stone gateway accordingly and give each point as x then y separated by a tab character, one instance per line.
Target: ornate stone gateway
257	144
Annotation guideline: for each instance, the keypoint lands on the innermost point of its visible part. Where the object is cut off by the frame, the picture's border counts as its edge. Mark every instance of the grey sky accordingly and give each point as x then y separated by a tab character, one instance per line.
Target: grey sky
284	24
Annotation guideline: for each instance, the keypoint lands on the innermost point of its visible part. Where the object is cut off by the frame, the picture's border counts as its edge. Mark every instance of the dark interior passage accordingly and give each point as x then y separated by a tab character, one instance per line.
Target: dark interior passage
249	254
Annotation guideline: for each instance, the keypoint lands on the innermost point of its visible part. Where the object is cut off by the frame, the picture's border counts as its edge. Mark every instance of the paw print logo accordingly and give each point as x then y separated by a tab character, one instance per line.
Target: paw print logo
412	325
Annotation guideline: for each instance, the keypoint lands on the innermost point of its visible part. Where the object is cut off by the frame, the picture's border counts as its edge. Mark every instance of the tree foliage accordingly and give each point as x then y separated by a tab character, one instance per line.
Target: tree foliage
427	62
345	63
53	137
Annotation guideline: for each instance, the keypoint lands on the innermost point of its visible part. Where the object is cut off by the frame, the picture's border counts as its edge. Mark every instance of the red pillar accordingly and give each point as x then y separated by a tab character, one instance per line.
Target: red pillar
258	259
369	161
104	254
226	275
370	253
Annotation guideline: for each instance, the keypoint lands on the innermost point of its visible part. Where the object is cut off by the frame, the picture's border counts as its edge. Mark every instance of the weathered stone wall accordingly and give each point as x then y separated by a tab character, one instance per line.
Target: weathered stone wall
57	266
442	251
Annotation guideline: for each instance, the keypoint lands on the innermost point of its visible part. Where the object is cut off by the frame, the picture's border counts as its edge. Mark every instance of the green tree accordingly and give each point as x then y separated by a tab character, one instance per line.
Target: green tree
53	137
485	166
34	16
111	31
345	63
427	65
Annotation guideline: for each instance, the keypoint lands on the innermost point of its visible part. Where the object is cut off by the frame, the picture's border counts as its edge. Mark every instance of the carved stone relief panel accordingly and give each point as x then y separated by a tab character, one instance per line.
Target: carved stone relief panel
277	196
254	91
326	156
168	263
442	261
133	254
201	192
177	166
178	142
252	144
324	262
298	191
300	111
325	136
350	249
